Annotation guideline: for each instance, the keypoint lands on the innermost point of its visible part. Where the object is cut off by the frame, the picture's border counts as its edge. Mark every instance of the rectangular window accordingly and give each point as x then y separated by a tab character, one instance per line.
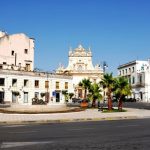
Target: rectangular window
129	80
140	78
28	67
66	85
14	82
12	53
2	81
133	80
46	84
36	94
132	69
25	97
36	84
26	51
4	63
26	83
57	85
129	70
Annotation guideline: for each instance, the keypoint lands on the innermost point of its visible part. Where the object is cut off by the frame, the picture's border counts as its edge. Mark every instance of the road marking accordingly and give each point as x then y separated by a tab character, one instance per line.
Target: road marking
19	144
22	132
81	129
132	125
13	126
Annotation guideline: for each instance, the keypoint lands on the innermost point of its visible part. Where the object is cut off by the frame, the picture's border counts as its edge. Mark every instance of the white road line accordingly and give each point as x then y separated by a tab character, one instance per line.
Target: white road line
81	129
132	125
13	126
19	144
23	132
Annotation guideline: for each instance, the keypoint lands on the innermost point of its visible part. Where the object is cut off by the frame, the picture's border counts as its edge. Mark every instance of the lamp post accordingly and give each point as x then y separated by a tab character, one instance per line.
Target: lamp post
47	88
104	66
104	69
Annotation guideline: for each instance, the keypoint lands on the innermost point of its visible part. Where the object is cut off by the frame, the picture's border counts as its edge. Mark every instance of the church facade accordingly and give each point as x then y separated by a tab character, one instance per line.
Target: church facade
80	66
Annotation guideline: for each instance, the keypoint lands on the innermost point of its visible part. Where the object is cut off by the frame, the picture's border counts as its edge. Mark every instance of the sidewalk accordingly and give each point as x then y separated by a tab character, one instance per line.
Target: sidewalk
87	115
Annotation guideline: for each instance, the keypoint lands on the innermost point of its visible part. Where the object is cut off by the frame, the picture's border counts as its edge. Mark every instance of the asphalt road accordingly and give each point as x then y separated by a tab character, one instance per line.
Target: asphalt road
102	135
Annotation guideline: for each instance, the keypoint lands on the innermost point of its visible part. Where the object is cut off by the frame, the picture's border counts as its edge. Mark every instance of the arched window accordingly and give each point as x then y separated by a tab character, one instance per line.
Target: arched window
80	68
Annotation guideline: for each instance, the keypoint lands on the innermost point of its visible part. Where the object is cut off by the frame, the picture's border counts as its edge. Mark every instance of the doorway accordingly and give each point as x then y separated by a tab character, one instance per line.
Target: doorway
14	97
25	97
1	97
57	97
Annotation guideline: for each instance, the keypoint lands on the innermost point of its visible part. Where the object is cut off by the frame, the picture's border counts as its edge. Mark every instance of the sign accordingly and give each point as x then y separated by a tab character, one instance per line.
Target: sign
54	93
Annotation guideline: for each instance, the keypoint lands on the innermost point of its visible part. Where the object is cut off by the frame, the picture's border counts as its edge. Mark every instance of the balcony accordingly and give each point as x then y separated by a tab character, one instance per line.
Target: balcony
138	84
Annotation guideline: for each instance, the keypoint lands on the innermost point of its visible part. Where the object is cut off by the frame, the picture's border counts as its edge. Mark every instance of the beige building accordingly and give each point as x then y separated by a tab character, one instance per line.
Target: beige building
16	51
80	66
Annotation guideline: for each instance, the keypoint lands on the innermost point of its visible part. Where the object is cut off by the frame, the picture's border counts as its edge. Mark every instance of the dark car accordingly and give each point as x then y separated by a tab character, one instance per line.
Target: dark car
76	100
114	99
83	100
129	100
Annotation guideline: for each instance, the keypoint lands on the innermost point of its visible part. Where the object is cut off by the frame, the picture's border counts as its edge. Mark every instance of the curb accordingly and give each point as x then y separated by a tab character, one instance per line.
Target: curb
69	120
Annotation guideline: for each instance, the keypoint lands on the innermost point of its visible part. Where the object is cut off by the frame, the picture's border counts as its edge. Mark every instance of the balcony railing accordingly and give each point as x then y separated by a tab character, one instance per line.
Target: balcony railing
138	84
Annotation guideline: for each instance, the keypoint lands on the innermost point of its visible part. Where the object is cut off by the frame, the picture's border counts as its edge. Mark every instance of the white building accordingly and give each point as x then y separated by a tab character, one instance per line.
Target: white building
18	82
16	51
80	66
22	86
138	74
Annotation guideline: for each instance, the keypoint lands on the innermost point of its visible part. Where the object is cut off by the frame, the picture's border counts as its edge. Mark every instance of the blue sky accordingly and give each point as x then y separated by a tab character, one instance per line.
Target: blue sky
118	31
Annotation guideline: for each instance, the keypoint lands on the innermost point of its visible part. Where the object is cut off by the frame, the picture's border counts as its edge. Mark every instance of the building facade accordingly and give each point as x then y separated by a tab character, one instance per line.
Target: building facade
138	74
16	52
20	87
19	83
80	66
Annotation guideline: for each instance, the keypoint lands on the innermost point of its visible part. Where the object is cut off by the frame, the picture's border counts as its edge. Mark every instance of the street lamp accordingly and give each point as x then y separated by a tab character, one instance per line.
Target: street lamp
104	66
47	88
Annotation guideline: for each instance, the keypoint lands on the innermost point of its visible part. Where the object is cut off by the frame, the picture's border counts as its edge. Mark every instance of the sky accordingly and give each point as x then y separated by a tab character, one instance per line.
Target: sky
117	31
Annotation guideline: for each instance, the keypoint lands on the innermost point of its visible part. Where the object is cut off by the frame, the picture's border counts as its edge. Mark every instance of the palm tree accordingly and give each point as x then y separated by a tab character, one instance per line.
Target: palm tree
71	95
122	89
65	93
94	93
85	83
108	84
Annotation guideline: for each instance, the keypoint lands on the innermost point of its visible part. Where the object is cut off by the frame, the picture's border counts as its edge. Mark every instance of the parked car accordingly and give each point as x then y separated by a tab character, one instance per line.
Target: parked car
83	100
129	100
76	100
114	99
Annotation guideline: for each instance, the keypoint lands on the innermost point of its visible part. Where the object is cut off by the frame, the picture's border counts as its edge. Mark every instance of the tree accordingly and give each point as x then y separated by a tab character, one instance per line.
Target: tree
94	93
43	94
108	84
65	93
71	95
85	84
122	89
